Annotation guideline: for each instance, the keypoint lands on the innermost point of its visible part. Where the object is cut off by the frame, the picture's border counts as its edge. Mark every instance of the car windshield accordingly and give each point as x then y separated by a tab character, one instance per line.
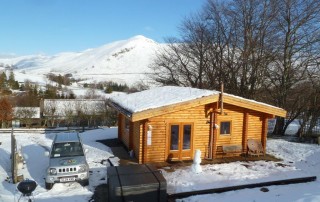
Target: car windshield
66	149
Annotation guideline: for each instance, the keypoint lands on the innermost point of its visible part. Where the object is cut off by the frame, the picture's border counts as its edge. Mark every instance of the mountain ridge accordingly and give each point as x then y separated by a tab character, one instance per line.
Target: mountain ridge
124	61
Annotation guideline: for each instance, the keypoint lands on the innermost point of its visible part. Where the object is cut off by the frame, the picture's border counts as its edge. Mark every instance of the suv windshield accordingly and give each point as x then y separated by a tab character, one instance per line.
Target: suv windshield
66	149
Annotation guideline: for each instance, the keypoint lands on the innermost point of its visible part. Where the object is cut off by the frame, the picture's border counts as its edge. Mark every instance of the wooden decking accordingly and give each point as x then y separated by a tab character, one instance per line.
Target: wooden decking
120	151
171	166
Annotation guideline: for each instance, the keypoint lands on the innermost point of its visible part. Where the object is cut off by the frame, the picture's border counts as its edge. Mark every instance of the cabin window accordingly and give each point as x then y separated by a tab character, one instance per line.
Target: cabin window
225	128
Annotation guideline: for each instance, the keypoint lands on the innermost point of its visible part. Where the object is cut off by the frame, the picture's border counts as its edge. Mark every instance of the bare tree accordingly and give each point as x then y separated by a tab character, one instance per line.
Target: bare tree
91	93
69	112
248	54
183	62
50	112
296	50
224	43
26	115
80	114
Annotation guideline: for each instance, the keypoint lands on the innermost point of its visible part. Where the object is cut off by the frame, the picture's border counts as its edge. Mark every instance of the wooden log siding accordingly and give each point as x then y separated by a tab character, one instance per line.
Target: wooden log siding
156	151
255	125
124	132
136	138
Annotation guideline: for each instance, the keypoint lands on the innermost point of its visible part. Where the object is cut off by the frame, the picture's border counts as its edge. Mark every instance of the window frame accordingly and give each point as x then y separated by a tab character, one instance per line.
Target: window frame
181	132
230	129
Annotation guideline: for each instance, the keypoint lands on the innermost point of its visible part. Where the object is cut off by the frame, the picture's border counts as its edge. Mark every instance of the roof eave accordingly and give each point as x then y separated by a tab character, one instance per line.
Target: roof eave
120	109
256	106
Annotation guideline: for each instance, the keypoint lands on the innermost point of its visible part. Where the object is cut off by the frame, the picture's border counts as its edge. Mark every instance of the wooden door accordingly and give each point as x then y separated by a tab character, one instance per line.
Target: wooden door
180	141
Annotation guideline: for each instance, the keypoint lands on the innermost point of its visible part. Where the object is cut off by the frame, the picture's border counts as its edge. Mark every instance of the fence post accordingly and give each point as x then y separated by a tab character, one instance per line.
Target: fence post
13	158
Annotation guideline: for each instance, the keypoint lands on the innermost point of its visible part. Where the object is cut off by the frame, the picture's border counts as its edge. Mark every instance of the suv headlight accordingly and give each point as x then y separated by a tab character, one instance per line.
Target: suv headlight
52	171
82	168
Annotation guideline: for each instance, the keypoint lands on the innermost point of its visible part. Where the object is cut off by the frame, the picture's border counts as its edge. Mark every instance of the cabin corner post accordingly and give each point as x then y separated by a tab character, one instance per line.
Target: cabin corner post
264	133
131	136
245	132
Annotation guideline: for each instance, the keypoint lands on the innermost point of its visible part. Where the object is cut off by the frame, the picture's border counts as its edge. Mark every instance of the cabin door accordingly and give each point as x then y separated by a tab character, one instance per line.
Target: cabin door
180	141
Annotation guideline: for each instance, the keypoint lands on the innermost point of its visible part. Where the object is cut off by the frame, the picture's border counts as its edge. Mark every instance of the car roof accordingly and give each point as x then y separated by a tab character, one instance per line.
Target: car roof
67	137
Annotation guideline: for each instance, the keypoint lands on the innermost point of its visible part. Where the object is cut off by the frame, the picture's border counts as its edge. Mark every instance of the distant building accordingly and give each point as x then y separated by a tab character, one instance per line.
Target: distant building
26	116
71	111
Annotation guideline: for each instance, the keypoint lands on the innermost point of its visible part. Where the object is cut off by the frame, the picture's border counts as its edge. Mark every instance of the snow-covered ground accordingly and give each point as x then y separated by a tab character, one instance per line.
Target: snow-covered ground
33	146
299	160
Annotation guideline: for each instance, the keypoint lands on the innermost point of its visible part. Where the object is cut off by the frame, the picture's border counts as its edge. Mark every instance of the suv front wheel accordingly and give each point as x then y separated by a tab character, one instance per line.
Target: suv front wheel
84	182
49	186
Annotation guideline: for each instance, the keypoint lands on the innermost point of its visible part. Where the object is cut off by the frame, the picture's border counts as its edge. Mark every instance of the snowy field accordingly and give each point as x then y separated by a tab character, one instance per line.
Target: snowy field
299	160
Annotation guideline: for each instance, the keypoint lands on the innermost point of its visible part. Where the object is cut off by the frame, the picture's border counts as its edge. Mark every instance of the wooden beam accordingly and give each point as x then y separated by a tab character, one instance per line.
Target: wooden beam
215	136
245	131
172	197
264	133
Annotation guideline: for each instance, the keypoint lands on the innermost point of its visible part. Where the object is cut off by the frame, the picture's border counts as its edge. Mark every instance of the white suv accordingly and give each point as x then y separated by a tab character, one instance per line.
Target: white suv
67	161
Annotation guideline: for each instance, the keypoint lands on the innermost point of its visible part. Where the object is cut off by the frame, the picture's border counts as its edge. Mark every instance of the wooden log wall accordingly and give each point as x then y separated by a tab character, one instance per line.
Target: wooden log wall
158	151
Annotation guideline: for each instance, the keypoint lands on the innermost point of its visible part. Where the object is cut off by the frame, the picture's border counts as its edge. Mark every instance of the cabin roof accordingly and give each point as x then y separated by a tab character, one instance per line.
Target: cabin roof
161	100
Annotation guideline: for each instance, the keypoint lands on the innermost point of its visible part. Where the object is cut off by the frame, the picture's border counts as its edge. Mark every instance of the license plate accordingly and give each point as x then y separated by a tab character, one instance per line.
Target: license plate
67	179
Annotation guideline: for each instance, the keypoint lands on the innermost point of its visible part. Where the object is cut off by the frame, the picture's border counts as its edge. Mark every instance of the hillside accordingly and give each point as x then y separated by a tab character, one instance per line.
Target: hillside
123	61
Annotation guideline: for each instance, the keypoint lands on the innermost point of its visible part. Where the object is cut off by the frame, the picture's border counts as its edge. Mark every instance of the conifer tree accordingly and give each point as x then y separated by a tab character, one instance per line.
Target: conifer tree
11	80
3	80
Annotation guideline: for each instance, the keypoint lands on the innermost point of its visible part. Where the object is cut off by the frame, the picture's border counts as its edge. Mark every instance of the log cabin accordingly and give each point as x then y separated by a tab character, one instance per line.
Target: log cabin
169	123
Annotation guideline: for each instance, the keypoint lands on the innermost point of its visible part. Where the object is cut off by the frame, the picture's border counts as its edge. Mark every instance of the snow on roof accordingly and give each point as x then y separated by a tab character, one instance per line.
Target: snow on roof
159	97
166	95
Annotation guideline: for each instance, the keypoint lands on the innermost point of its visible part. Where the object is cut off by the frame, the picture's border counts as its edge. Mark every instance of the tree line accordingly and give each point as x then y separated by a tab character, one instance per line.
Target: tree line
267	50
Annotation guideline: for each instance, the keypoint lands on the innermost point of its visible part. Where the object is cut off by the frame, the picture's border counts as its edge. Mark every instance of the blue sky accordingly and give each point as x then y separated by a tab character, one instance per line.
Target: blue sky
53	26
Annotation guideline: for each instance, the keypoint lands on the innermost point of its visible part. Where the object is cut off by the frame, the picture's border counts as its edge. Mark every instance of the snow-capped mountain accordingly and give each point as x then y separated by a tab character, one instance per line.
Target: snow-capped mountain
123	61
